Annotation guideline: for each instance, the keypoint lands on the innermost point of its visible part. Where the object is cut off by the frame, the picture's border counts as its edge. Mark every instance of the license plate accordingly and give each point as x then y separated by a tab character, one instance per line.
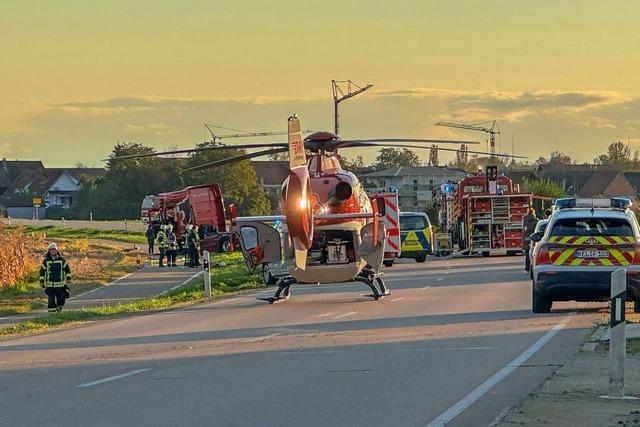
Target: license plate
590	253
337	254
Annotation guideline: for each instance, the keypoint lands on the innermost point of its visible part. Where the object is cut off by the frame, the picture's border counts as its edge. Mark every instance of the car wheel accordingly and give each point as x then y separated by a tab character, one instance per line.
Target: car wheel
540	303
388	263
486	254
636	306
225	245
421	258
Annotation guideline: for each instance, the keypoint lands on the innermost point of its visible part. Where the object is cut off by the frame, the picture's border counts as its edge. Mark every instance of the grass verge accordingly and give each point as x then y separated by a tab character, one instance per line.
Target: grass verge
53	232
230	278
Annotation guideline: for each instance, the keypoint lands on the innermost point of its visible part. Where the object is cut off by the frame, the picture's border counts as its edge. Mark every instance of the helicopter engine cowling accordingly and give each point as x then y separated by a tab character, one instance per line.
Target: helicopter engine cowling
298	207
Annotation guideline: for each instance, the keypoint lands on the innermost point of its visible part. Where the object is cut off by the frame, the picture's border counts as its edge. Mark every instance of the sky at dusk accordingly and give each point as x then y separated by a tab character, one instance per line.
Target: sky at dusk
76	76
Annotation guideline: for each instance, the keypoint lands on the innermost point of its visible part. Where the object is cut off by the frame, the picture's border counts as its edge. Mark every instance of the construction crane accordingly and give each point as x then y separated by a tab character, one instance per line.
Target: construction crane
242	133
340	94
492	131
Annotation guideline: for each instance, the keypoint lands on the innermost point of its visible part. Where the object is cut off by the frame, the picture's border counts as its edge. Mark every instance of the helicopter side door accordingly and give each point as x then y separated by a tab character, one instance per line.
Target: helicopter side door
260	244
373	252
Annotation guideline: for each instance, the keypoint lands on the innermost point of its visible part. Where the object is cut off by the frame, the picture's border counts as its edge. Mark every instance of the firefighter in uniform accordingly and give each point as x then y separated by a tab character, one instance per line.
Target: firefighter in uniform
529	223
192	245
172	247
161	238
55	276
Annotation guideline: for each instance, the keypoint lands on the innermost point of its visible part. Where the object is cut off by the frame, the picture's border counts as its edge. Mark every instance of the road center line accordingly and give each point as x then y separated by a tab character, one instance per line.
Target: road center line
439	279
113	378
447	416
342	316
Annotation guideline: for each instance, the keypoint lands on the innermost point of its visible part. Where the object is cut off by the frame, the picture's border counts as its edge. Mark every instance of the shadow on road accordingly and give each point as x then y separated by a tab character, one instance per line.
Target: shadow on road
372	325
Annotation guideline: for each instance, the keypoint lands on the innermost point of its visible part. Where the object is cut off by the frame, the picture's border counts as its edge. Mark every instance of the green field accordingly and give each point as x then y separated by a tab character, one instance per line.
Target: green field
54	232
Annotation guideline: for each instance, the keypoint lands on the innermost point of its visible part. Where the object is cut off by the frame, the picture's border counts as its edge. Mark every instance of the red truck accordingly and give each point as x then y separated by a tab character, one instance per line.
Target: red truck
484	213
200	205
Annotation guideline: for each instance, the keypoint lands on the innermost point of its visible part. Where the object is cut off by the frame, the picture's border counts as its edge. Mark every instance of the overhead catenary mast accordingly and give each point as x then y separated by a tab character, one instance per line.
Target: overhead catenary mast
342	93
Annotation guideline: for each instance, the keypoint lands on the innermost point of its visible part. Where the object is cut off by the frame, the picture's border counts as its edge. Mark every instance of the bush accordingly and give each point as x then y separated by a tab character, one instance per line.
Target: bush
19	255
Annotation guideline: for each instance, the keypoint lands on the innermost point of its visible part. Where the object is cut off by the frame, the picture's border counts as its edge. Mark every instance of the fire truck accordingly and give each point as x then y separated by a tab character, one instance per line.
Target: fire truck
200	205
484	213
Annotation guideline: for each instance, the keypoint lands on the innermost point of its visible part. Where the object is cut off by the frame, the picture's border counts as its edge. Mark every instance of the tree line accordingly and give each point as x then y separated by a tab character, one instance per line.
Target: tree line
119	193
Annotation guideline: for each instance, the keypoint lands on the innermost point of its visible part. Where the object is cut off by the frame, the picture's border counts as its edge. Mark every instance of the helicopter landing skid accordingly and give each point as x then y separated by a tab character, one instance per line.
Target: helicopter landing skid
283	293
375	282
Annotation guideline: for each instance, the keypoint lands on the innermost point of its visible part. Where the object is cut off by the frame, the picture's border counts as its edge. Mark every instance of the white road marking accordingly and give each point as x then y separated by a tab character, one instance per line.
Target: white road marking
264	338
427	287
181	284
100	287
113	378
447	416
397	299
228	300
445	273
439	279
323	315
342	316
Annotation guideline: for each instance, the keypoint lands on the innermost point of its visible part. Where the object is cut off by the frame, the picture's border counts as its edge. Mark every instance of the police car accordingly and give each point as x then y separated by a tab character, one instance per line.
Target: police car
584	242
416	235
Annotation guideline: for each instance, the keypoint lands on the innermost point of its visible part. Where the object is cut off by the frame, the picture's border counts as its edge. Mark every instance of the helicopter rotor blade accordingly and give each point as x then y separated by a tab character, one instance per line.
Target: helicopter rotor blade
234	159
429	141
198	150
422	147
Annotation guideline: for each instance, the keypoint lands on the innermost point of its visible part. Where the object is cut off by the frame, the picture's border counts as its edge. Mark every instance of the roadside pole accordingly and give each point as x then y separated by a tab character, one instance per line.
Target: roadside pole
206	262
617	339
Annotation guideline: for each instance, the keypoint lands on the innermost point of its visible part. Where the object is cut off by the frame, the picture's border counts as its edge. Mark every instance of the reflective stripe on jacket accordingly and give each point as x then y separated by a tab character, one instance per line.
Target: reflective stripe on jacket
55	271
161	239
171	240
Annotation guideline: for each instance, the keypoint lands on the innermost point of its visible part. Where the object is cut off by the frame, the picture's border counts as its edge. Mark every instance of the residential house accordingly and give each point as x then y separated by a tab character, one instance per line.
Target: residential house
607	183
55	188
416	185
570	177
10	169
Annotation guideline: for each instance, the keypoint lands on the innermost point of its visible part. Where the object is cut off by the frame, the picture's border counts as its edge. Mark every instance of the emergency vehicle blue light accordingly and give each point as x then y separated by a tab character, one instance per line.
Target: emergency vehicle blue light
393	189
620	203
566	203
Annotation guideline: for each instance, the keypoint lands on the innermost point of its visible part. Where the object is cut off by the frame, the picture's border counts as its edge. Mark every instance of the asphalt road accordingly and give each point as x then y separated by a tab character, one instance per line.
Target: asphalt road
456	341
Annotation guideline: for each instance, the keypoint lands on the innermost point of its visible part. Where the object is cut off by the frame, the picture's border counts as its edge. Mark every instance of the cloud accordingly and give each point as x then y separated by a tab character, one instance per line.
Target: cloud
510	106
145	103
156	128
580	123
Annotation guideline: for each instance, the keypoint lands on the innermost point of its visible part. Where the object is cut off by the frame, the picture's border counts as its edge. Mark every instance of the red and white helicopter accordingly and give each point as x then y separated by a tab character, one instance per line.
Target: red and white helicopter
330	230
